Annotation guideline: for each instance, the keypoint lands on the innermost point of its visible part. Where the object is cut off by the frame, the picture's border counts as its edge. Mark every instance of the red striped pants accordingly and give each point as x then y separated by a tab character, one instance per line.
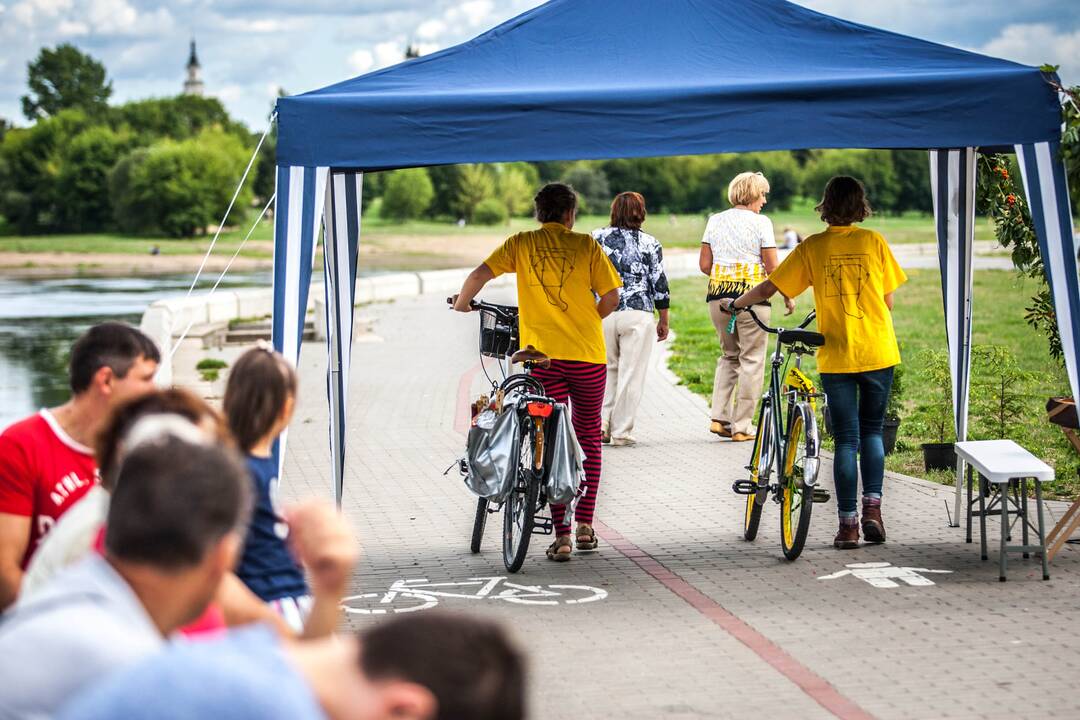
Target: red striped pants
581	386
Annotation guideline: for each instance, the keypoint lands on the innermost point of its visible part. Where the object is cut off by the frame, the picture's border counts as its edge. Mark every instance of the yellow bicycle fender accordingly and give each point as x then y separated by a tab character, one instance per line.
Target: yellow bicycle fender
798	380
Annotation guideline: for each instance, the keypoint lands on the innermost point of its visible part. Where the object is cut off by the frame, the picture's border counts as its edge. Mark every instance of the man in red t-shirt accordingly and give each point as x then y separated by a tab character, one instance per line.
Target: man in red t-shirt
46	460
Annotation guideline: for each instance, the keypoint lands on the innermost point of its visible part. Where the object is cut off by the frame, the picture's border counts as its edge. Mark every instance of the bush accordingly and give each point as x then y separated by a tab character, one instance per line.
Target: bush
475	183
407	194
516	185
490	212
179	188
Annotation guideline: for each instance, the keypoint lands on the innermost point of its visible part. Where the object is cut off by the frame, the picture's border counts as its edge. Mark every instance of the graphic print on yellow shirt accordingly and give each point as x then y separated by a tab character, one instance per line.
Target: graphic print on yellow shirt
851	271
557	273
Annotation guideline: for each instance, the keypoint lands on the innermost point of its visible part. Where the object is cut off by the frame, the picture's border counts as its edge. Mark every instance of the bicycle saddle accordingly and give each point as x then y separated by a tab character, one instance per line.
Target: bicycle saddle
806	337
529	354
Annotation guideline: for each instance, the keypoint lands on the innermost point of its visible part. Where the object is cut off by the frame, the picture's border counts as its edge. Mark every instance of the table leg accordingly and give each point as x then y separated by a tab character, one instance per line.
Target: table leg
1023	511
1002	559
970	471
1042	530
982	519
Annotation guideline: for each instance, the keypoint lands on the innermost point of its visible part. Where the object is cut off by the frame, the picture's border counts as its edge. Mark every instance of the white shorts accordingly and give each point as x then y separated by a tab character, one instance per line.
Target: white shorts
293	610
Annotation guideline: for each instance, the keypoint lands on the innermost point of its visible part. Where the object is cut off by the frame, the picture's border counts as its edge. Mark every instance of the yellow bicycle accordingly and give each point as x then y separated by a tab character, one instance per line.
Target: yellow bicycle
787	441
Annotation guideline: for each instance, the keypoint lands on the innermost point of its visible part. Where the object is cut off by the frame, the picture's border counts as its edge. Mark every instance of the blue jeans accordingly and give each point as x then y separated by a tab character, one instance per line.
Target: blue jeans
857	408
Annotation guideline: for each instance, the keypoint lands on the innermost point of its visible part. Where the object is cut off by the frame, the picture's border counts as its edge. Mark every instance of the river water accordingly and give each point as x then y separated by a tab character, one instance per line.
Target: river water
39	319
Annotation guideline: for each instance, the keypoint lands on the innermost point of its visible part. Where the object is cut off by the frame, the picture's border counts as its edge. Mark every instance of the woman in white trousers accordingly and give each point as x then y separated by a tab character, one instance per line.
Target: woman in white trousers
632	330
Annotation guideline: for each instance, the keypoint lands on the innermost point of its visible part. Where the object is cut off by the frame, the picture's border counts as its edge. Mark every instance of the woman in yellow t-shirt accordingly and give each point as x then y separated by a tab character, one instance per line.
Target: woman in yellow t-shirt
854	274
559	275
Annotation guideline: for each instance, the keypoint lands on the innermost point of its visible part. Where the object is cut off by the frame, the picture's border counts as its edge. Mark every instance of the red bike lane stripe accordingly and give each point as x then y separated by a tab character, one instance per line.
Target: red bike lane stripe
803	677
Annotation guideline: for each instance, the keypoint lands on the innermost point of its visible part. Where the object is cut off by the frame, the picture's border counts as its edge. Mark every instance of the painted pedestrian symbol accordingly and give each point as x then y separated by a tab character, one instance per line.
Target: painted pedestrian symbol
886	575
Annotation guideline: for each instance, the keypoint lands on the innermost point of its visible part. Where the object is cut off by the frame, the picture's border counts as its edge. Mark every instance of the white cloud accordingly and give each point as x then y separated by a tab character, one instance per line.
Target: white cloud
361	61
390	52
264	26
430	29
229	93
72	28
1036	44
473	12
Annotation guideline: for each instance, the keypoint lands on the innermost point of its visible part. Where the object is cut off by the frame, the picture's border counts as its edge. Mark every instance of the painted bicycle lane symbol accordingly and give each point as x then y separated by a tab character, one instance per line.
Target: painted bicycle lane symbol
414	595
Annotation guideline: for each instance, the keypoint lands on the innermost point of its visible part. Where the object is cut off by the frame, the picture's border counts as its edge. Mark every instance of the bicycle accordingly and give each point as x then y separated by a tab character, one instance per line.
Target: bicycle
524	394
405	596
786	428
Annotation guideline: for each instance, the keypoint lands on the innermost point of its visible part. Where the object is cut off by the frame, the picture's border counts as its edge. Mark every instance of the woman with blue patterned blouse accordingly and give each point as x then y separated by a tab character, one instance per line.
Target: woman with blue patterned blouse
629	331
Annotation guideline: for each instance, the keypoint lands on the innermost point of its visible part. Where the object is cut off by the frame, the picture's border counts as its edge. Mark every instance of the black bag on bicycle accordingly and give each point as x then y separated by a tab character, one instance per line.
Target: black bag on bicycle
490	450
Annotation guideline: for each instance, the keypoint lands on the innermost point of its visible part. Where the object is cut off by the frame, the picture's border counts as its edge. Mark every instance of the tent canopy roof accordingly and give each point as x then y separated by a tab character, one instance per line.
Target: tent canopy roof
587	79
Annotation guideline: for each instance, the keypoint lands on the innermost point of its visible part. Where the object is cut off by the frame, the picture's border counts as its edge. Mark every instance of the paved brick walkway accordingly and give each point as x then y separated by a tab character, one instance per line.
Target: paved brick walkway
696	622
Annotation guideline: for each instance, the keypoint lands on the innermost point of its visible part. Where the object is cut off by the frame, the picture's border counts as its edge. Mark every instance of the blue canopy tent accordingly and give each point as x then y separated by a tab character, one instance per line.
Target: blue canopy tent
590	79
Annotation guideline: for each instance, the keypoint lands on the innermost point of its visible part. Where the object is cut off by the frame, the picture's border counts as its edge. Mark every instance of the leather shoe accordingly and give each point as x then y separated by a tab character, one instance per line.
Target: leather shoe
847	538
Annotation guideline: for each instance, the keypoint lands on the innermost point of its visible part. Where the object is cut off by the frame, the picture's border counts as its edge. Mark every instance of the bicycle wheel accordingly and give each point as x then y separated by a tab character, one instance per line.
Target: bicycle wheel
520	507
797	481
760	461
478	524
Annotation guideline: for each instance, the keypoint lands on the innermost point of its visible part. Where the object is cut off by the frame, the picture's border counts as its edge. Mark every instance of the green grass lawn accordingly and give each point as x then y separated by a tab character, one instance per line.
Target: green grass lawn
679	231
998	307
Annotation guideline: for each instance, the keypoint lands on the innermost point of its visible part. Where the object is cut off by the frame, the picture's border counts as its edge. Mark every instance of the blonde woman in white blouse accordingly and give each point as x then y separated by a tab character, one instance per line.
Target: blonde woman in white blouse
738	251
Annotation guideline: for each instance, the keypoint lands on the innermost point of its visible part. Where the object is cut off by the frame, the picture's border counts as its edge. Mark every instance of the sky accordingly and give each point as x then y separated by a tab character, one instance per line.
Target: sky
250	48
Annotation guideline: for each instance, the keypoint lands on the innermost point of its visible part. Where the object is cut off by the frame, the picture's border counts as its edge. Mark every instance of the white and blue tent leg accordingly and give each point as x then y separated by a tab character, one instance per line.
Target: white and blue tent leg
952	180
298	212
1048	198
340	248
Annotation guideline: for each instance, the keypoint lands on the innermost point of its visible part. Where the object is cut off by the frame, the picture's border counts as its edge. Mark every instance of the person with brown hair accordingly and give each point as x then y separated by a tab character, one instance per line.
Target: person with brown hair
560	273
854	275
260	396
632	329
46	461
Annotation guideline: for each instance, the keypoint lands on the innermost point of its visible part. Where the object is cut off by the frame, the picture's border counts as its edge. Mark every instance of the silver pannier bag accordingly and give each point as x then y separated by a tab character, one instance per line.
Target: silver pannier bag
567	472
490	454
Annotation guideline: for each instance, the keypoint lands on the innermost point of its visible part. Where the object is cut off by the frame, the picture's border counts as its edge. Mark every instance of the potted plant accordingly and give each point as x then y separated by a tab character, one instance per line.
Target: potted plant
892	410
936	411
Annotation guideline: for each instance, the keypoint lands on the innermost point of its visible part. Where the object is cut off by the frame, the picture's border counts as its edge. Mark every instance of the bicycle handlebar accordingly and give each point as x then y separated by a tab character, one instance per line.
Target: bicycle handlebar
774	331
507	312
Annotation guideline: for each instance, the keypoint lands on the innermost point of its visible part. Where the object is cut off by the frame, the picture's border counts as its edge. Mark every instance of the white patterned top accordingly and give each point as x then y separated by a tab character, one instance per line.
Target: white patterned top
737	238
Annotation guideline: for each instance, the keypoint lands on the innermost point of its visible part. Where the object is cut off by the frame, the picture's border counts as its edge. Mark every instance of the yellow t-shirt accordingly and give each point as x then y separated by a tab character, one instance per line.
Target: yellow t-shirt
851	271
557	273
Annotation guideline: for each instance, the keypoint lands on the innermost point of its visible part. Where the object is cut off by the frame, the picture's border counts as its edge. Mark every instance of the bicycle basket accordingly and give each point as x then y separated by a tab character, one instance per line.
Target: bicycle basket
498	336
490	452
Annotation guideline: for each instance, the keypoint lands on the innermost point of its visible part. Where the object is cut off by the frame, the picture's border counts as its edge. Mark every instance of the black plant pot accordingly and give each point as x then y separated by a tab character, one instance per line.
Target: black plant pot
888	434
939	456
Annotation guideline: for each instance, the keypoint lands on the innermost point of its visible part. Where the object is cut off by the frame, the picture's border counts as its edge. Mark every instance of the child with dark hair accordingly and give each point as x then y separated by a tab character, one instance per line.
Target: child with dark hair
854	275
259	399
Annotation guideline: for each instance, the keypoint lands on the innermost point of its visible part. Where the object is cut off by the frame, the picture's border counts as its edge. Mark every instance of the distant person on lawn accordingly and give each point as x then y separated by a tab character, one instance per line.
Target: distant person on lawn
560	273
632	330
46	460
854	275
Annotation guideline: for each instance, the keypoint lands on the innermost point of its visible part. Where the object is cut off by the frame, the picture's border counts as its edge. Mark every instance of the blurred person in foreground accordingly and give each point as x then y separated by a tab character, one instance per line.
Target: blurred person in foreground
430	666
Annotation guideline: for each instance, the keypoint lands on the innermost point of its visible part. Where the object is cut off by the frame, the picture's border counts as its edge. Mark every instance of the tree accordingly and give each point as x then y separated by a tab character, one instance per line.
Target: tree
64	78
591	185
182	187
179	118
407	194
515	190
5	125
874	168
82	182
475	184
30	163
912	184
490	212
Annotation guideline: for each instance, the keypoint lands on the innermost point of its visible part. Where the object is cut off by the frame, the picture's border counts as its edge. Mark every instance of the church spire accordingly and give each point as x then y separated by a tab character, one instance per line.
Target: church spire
194	84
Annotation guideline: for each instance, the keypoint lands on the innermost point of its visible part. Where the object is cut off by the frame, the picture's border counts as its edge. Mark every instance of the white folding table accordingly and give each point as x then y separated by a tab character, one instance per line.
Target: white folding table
1008	467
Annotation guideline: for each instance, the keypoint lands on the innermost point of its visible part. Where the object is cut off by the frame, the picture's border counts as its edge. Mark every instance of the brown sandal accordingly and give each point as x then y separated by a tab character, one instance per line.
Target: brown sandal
590	542
563	541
